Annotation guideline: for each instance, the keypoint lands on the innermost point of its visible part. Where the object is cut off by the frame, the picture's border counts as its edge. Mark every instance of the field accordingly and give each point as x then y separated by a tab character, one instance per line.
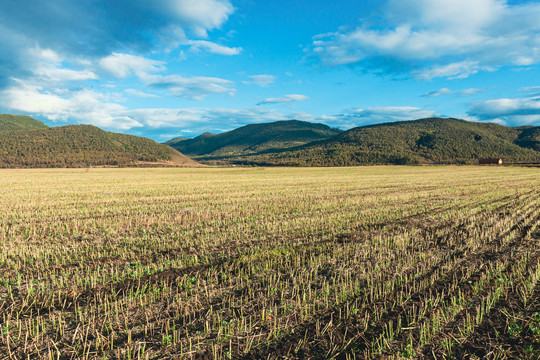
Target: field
270	263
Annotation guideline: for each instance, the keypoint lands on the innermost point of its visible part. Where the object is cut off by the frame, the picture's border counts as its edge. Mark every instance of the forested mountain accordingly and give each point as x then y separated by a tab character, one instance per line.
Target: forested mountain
22	145
254	138
429	141
25	142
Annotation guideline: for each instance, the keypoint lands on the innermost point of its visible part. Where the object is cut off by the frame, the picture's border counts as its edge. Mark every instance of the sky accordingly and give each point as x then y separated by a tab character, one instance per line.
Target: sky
168	68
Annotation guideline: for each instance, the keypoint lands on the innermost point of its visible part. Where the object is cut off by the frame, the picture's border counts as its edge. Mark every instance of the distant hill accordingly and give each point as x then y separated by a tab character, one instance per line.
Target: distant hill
425	141
254	138
19	122
81	146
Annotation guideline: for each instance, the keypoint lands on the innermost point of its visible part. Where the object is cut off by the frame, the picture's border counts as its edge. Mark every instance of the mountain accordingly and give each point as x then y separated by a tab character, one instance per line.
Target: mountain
425	141
254	138
19	122
80	146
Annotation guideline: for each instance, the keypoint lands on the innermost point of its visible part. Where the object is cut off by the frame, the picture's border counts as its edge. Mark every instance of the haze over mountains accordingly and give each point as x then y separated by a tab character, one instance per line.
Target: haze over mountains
25	142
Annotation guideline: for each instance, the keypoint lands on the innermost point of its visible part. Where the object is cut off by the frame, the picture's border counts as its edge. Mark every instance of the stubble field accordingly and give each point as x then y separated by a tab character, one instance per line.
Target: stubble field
255	263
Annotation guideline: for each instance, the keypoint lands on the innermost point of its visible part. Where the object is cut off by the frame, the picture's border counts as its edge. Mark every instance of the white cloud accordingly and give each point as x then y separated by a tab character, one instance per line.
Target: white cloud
459	70
262	80
197	45
517	111
284	99
48	66
82	32
201	15
46	54
123	65
462	15
439	38
195	88
63	75
31	99
83	107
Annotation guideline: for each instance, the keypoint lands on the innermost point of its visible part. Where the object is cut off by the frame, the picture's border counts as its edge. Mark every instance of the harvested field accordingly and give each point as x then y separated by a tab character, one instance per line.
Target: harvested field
270	263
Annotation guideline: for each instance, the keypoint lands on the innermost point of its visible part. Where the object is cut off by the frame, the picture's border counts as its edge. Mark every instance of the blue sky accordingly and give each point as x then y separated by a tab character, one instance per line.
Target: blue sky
166	68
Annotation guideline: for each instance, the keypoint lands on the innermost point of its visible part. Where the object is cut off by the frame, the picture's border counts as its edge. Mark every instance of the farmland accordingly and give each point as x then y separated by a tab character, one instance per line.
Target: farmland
251	263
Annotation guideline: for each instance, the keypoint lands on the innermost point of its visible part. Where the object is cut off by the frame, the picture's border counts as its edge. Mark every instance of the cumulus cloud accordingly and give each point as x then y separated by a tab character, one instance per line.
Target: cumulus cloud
48	67
458	70
83	107
63	75
88	29
284	99
199	15
262	80
438	38
510	111
195	88
123	65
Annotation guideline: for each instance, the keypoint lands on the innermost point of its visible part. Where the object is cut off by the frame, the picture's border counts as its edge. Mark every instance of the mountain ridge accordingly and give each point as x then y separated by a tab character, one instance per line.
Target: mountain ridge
422	141
26	142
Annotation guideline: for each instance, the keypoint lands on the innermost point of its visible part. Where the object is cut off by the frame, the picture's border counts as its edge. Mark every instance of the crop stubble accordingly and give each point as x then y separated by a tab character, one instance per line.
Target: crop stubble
270	263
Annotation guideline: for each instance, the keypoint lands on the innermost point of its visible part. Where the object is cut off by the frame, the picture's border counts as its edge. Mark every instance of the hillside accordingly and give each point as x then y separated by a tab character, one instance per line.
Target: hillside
81	146
433	140
529	138
19	122
255	138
